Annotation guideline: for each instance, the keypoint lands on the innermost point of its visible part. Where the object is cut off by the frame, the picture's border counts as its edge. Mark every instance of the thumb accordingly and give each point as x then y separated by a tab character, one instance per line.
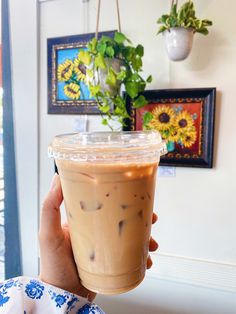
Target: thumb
50	221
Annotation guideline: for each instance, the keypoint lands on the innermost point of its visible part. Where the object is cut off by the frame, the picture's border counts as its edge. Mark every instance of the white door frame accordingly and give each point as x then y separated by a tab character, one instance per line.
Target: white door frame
25	77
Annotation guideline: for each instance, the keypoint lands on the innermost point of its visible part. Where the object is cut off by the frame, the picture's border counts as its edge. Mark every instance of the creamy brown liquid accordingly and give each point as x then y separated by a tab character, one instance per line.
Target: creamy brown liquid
109	210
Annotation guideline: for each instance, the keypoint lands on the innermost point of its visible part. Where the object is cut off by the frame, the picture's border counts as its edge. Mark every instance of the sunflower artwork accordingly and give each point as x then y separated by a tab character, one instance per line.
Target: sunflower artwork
178	126
71	76
178	123
185	120
68	91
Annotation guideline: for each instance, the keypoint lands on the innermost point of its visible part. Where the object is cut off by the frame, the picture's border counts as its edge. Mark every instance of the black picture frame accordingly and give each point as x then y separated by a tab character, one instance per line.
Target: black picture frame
57	50
202	100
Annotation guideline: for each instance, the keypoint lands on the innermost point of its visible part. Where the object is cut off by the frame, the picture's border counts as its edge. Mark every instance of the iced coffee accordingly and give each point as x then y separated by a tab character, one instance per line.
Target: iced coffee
108	182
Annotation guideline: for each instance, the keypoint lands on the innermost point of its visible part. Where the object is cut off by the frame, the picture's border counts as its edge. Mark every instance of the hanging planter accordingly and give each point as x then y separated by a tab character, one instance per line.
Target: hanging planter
178	41
97	75
112	65
179	27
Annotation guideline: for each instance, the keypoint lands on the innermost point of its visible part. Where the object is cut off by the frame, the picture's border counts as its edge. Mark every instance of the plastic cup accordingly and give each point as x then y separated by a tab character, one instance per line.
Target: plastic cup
108	182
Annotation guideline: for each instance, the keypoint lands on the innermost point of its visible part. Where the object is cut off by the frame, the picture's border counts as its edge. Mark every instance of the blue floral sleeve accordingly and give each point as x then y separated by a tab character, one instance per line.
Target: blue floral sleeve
24	295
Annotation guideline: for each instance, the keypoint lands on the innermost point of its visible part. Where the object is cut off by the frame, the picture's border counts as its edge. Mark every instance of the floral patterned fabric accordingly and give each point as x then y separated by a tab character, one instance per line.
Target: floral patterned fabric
24	295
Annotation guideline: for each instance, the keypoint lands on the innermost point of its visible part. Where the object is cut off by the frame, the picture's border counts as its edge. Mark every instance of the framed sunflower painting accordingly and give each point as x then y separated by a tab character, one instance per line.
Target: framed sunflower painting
184	118
68	92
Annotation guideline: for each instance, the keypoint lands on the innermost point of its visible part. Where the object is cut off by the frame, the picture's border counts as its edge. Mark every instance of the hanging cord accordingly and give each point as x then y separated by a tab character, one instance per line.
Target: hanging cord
118	15
98	16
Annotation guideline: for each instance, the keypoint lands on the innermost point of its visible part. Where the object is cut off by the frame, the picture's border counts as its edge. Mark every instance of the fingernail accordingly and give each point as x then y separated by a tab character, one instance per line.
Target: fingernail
149	262
154	243
54	182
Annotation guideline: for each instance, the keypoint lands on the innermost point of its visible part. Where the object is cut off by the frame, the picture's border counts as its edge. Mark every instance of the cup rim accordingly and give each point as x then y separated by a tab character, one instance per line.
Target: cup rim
93	145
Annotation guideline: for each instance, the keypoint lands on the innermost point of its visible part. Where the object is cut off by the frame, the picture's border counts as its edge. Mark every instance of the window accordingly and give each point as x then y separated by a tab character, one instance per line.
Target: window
2	233
10	256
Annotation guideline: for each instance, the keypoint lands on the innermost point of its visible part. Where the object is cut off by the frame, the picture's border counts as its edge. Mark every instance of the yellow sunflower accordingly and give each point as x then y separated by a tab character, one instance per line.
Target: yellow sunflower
184	121
80	70
173	135
163	118
72	91
64	71
190	137
164	133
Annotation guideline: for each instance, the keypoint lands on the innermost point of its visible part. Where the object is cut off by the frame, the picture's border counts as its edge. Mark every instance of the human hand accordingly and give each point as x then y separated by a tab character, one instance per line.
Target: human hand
57	265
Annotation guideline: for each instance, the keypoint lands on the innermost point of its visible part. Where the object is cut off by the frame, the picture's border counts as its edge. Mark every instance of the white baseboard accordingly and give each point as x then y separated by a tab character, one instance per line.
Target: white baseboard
205	273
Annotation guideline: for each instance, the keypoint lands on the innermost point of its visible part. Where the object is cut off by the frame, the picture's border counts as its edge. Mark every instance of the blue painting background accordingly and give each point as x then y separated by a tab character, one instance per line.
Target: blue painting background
62	56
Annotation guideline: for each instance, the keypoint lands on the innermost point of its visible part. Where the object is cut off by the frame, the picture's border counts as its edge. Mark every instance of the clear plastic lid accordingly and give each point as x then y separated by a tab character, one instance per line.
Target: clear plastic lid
108	146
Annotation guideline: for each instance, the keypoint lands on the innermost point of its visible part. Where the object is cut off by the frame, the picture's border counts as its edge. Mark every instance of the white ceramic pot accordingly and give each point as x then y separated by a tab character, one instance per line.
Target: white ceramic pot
116	65
179	41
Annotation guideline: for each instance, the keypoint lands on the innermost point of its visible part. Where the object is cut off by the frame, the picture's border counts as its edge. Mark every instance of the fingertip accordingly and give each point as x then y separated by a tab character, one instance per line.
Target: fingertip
55	192
154	218
153	245
55	183
149	262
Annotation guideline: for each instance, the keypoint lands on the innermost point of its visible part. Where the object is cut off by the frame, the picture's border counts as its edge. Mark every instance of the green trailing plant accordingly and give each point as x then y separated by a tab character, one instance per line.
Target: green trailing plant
97	58
185	17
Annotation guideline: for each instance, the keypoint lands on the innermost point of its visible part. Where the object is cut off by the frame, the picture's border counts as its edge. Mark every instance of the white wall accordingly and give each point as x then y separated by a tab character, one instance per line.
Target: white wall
197	208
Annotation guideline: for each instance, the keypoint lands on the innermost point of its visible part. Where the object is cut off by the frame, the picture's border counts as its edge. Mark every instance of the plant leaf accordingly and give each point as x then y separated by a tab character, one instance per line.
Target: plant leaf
92	45
132	89
101	47
149	79
120	38
128	53
94	90
110	52
137	63
162	29
99	61
119	111
111	78
140	102
207	23
174	10
163	19
84	57
135	77
139	50
104	121
121	75
147	117
141	86
105	39
203	31
105	109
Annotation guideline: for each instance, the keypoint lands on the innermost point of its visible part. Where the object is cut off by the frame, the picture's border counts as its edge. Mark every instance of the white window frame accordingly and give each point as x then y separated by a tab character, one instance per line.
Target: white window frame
24	33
